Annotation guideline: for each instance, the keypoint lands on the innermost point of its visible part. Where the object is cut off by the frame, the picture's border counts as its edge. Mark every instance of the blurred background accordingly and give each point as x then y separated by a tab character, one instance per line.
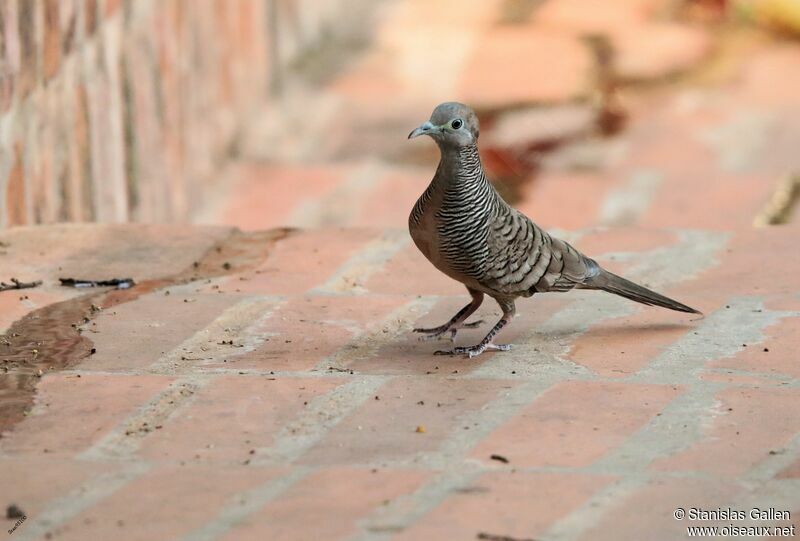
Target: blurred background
260	113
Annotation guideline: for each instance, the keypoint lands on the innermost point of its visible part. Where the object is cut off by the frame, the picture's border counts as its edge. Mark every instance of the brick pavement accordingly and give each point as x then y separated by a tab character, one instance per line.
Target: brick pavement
259	412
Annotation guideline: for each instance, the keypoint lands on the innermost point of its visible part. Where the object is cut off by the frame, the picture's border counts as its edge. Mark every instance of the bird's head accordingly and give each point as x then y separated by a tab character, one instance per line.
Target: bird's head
451	124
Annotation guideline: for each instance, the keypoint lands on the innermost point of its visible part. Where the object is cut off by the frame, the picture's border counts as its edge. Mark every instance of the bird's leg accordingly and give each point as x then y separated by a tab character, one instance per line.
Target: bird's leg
457	321
486	344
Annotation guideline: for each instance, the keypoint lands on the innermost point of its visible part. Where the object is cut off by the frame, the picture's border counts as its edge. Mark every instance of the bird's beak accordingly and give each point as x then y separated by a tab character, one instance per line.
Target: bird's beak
425	129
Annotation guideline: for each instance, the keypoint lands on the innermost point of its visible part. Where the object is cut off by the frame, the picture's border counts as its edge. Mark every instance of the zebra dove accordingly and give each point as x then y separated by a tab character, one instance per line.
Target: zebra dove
463	226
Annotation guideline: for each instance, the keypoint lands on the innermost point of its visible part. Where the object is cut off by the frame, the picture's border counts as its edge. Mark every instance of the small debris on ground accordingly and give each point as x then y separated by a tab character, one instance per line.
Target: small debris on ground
499	458
119	283
337	369
492	537
16	284
13	512
420	429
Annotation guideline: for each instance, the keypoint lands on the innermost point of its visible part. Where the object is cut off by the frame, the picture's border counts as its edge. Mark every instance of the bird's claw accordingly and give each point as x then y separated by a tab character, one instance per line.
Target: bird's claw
474	351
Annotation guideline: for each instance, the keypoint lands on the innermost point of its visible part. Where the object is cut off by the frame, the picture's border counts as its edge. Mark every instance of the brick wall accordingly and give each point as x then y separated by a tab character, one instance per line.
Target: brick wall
126	110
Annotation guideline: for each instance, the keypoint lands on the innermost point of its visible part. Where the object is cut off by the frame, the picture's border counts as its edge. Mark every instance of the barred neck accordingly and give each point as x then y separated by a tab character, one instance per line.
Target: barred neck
461	168
464	216
463	184
469	156
458	186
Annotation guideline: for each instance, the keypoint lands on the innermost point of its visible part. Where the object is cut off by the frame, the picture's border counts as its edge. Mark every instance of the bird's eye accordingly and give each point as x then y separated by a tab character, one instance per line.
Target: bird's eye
456	124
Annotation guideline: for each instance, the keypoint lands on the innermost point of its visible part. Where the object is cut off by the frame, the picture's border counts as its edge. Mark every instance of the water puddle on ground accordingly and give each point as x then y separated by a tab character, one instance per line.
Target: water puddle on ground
49	339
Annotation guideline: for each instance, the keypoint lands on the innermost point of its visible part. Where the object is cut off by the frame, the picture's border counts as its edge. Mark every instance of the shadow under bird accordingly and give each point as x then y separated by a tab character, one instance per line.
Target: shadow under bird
463	226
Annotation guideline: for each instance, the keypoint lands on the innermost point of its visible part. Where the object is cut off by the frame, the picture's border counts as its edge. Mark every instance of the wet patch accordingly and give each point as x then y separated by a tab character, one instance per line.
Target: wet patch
50	339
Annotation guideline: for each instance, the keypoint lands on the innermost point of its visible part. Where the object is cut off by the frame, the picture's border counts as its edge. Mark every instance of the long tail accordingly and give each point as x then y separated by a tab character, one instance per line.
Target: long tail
608	281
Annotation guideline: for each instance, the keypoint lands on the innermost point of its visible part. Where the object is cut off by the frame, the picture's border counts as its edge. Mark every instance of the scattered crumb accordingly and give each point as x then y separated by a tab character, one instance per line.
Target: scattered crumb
13	512
499	458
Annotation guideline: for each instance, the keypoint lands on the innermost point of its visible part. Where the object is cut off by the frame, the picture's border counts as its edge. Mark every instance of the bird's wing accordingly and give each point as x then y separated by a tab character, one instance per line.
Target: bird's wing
524	259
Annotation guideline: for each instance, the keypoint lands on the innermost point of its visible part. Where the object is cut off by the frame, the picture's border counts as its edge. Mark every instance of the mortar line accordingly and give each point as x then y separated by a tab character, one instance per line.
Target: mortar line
244	504
349	277
628	203
578	522
123	441
209	373
60	510
246	316
367	343
322	414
